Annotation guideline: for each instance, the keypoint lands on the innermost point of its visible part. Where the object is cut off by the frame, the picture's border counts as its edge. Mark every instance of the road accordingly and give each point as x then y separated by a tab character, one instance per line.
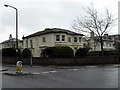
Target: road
64	77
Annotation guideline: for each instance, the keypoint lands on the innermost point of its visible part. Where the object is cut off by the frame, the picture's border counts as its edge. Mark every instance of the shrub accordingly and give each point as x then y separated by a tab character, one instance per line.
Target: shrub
105	53
58	51
19	53
26	53
9	52
81	52
47	52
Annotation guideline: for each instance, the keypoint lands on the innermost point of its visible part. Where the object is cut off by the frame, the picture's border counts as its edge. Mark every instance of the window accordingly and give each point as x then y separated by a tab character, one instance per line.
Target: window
26	43
75	39
44	39
57	37
69	39
22	44
63	37
31	44
79	39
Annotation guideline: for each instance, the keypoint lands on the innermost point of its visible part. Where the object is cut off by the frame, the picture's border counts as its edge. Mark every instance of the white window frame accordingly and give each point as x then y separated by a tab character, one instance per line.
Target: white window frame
58	38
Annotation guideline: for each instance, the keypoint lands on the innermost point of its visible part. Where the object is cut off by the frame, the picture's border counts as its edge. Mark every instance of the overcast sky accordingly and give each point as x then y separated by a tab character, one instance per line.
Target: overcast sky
36	15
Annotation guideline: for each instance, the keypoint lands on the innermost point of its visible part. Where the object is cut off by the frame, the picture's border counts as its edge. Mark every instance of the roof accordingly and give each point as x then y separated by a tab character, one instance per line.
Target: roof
53	30
10	40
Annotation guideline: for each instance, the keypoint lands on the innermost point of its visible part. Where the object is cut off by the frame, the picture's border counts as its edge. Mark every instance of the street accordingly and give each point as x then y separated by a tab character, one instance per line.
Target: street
63	77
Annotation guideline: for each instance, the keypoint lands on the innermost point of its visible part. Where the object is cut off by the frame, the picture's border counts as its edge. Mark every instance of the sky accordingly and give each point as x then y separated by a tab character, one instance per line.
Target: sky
36	15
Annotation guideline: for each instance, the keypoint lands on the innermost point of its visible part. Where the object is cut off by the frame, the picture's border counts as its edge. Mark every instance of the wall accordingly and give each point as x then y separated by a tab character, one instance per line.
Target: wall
68	61
39	45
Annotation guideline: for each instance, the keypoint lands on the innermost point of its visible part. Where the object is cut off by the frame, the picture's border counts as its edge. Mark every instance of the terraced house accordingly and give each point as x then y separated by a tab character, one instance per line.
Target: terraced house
52	37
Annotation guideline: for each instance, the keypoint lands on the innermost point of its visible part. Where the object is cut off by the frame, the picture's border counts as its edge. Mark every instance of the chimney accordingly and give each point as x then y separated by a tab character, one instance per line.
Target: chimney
10	37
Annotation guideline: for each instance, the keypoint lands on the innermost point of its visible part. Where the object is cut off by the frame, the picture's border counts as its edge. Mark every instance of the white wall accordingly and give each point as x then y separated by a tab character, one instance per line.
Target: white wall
39	45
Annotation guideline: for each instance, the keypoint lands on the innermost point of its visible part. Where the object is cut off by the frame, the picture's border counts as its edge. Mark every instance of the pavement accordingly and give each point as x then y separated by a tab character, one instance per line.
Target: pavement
14	73
3	69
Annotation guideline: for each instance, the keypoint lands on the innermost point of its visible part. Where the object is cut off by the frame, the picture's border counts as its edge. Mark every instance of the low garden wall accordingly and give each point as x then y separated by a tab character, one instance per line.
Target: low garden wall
91	60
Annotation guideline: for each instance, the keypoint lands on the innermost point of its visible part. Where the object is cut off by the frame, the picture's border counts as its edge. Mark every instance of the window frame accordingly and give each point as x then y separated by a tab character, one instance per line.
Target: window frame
75	40
63	38
43	39
79	39
57	38
31	43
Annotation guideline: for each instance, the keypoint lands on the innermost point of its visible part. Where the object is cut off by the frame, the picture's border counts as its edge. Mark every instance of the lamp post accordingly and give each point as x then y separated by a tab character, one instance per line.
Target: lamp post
16	27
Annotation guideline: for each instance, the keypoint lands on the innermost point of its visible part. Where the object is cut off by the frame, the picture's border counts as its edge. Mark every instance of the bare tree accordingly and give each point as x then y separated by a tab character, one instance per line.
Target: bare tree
95	22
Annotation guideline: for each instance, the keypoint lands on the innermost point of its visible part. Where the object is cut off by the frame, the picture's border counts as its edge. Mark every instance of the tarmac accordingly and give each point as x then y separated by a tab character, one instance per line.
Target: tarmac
14	73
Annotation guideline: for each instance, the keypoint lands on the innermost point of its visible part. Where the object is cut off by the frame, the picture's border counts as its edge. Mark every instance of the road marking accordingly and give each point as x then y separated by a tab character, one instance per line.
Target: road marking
35	73
45	72
52	71
73	69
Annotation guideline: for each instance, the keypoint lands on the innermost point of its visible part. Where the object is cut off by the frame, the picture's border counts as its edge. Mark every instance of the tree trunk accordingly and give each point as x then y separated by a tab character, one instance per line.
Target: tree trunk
101	41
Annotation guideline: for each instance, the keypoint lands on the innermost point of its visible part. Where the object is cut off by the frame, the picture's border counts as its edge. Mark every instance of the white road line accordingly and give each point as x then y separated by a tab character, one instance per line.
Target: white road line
36	73
45	72
73	69
52	71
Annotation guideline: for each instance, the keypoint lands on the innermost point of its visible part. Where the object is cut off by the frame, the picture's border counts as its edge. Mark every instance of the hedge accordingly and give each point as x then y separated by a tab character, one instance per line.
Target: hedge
9	52
105	53
58	51
26	53
81	52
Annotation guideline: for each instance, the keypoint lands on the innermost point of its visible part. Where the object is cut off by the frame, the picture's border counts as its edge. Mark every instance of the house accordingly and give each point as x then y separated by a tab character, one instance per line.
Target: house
108	42
10	43
52	37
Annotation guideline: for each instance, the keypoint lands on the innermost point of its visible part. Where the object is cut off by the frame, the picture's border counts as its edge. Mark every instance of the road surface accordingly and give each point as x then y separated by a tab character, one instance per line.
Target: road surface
64	77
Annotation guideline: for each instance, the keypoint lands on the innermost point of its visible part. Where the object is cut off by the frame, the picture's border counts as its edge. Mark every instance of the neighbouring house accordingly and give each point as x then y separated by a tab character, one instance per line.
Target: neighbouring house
108	42
52	37
10	43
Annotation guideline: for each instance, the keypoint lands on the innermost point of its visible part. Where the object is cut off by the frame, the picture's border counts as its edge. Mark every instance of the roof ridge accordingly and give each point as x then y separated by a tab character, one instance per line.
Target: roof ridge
52	30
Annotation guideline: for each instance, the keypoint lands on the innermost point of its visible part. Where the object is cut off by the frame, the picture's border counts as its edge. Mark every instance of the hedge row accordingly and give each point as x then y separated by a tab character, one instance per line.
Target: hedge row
26	53
63	52
104	53
58	51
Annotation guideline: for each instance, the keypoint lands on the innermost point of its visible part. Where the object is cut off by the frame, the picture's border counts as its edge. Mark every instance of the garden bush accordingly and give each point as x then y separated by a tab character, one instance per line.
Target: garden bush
26	53
9	52
58	51
81	52
105	53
